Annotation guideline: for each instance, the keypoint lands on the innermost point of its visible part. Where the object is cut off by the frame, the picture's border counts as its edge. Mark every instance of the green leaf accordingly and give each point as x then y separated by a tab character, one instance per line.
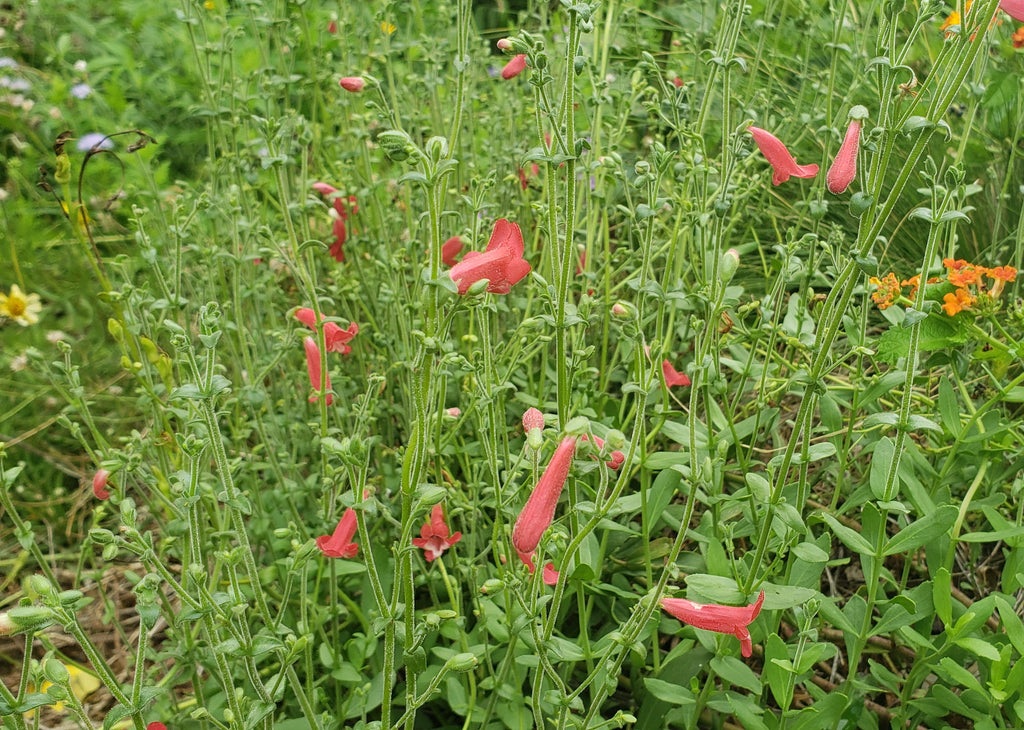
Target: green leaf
714	589
851	538
978	647
746	709
949	408
669	692
659	495
780	597
1012	623
775	667
810	553
737	673
921	531
941	596
881	461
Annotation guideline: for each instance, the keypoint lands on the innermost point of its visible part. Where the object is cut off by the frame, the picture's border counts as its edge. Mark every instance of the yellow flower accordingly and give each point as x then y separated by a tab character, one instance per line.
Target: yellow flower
23	309
387	27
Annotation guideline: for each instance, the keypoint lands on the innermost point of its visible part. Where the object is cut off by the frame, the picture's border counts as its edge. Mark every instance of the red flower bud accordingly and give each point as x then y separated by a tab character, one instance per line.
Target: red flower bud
352	83
844	166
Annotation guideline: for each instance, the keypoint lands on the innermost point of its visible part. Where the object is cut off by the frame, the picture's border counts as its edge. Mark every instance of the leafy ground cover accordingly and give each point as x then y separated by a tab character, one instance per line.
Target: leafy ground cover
404	365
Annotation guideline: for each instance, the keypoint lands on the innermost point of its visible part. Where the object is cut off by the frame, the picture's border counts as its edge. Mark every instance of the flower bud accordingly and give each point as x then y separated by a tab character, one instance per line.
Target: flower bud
615	438
730	262
99	484
504	44
463	662
354	84
56	672
492	585
29	617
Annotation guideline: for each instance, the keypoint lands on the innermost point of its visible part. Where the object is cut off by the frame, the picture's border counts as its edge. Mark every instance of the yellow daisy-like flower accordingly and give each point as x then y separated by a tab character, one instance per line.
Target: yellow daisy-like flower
22	308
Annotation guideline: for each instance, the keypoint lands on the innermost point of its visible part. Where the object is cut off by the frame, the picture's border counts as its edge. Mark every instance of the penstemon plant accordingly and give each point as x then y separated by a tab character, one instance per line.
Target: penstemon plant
551	369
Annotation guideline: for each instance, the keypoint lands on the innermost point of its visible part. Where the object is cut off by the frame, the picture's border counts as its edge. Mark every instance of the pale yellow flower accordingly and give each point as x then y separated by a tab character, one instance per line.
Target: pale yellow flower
22	308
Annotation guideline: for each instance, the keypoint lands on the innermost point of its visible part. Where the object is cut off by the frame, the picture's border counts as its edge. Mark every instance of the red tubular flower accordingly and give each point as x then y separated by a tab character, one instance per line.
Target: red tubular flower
783	164
514	67
156	726
314	367
341	207
332	27
1013	8
450	249
502	264
733	620
337	338
844	166
339	544
352	83
540	507
550	576
99	484
673	377
434	536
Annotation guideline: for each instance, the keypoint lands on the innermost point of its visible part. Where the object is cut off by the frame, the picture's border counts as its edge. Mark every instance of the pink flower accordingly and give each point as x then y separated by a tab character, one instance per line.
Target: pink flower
673	377
339	544
783	164
352	83
99	484
532	419
313	366
450	249
1013	8
341	207
434	536
156	726
733	620
504	44
453	412
618	458
540	507
844	166
502	264
337	338
677	82
332	27
514	67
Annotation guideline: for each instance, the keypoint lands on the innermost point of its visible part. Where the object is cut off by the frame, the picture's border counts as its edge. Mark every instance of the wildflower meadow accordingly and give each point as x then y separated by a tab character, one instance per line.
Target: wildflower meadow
511	364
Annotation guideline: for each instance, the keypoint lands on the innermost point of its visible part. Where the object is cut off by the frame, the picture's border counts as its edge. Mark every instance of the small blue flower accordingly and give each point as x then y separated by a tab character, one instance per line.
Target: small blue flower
81	91
94	139
14	84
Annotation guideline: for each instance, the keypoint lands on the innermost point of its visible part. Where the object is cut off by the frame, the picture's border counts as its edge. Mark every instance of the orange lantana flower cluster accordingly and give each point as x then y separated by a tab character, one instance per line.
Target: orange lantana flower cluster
962	275
987	283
